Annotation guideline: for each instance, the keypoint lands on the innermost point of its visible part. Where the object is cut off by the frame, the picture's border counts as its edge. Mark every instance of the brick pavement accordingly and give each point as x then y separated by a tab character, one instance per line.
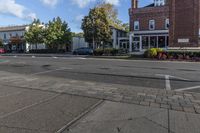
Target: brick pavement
157	98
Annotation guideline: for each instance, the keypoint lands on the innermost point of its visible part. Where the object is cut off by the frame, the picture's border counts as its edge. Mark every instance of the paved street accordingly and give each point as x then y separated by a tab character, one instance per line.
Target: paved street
77	94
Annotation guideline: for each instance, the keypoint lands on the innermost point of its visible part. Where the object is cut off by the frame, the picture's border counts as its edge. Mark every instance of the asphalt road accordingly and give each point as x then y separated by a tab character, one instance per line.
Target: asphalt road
152	74
26	110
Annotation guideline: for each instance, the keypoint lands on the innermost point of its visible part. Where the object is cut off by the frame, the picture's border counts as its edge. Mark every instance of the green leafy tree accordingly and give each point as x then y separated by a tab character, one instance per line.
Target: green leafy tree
96	27
112	15
35	33
80	34
126	27
57	34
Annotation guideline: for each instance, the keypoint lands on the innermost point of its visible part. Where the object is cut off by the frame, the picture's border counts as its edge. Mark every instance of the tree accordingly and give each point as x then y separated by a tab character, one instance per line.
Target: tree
112	15
80	34
126	27
35	33
96	27
57	34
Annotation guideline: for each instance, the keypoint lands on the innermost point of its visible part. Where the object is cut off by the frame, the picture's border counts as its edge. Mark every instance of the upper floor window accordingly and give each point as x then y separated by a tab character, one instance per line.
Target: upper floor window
159	2
4	36
151	24
166	23
136	25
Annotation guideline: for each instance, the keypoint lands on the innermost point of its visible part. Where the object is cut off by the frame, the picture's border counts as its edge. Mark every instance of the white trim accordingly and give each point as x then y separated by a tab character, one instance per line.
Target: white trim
151	32
183	48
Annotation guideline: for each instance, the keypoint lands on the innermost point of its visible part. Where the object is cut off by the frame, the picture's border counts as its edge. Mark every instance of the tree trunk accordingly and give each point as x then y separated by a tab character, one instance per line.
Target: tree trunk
36	47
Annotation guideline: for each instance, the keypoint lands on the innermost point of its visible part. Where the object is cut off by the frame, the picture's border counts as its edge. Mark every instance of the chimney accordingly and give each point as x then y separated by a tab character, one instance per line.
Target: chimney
134	4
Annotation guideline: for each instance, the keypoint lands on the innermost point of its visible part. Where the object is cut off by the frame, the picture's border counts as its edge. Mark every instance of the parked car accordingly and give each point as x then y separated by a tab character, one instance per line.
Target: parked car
2	51
83	51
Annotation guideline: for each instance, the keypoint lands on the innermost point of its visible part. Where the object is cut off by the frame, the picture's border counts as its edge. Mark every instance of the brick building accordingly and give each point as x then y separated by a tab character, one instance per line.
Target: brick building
163	24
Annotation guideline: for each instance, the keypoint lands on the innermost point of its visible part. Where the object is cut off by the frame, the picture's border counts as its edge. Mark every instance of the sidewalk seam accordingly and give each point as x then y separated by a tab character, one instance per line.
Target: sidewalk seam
79	117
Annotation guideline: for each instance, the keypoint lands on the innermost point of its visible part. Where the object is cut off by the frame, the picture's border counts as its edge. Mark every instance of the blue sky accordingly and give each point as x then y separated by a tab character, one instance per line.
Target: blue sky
17	12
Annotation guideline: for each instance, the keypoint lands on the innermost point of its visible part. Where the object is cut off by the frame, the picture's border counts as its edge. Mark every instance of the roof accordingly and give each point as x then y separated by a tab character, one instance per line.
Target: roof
13	28
150	5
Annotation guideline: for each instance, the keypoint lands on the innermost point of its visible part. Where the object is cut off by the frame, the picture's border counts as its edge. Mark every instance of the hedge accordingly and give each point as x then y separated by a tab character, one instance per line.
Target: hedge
106	51
46	51
172	55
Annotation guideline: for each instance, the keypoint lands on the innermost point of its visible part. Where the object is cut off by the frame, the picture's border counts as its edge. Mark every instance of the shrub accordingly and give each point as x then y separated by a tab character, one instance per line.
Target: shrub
98	52
111	51
153	52
107	51
46	51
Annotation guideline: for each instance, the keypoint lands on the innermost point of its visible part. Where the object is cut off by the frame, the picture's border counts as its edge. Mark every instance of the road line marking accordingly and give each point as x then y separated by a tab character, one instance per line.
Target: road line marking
29	106
189	88
167	81
82	58
55	57
15	56
51	71
33	56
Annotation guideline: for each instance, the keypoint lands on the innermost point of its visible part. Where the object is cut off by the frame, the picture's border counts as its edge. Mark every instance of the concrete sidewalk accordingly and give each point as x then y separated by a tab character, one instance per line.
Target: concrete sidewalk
112	117
125	109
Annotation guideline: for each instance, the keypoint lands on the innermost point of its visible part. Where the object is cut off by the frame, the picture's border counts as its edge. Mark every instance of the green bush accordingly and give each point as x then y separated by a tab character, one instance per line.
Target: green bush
111	51
152	53
98	52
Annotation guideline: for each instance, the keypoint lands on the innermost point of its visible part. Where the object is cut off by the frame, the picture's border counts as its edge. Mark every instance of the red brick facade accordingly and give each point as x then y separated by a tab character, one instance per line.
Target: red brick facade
184	17
143	15
184	23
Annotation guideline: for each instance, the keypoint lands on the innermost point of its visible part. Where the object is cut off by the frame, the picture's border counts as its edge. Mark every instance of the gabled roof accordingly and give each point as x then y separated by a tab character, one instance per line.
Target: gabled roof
13	28
150	5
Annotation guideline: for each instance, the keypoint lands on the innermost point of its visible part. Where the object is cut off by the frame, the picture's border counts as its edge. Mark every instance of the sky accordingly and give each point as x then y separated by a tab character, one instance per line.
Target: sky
19	12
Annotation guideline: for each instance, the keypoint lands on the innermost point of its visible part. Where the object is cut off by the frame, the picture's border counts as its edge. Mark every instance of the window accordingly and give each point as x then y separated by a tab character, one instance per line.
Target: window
4	36
159	2
136	25
151	24
167	24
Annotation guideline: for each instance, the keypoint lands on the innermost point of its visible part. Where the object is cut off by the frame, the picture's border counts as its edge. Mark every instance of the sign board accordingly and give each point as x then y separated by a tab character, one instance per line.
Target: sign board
183	40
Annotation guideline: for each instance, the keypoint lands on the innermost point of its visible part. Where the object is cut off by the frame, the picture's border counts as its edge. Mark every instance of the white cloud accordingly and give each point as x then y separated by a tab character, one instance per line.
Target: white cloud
11	7
79	18
51	3
114	2
82	3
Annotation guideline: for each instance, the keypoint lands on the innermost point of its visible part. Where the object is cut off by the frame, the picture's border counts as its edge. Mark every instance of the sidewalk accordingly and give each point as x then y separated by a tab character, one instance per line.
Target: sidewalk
125	109
113	117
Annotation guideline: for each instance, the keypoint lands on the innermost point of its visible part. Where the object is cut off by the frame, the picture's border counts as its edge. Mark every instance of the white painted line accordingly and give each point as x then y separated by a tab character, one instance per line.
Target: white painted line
167	81
15	56
33	56
51	71
82	58
180	78
29	106
55	57
189	88
31	79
